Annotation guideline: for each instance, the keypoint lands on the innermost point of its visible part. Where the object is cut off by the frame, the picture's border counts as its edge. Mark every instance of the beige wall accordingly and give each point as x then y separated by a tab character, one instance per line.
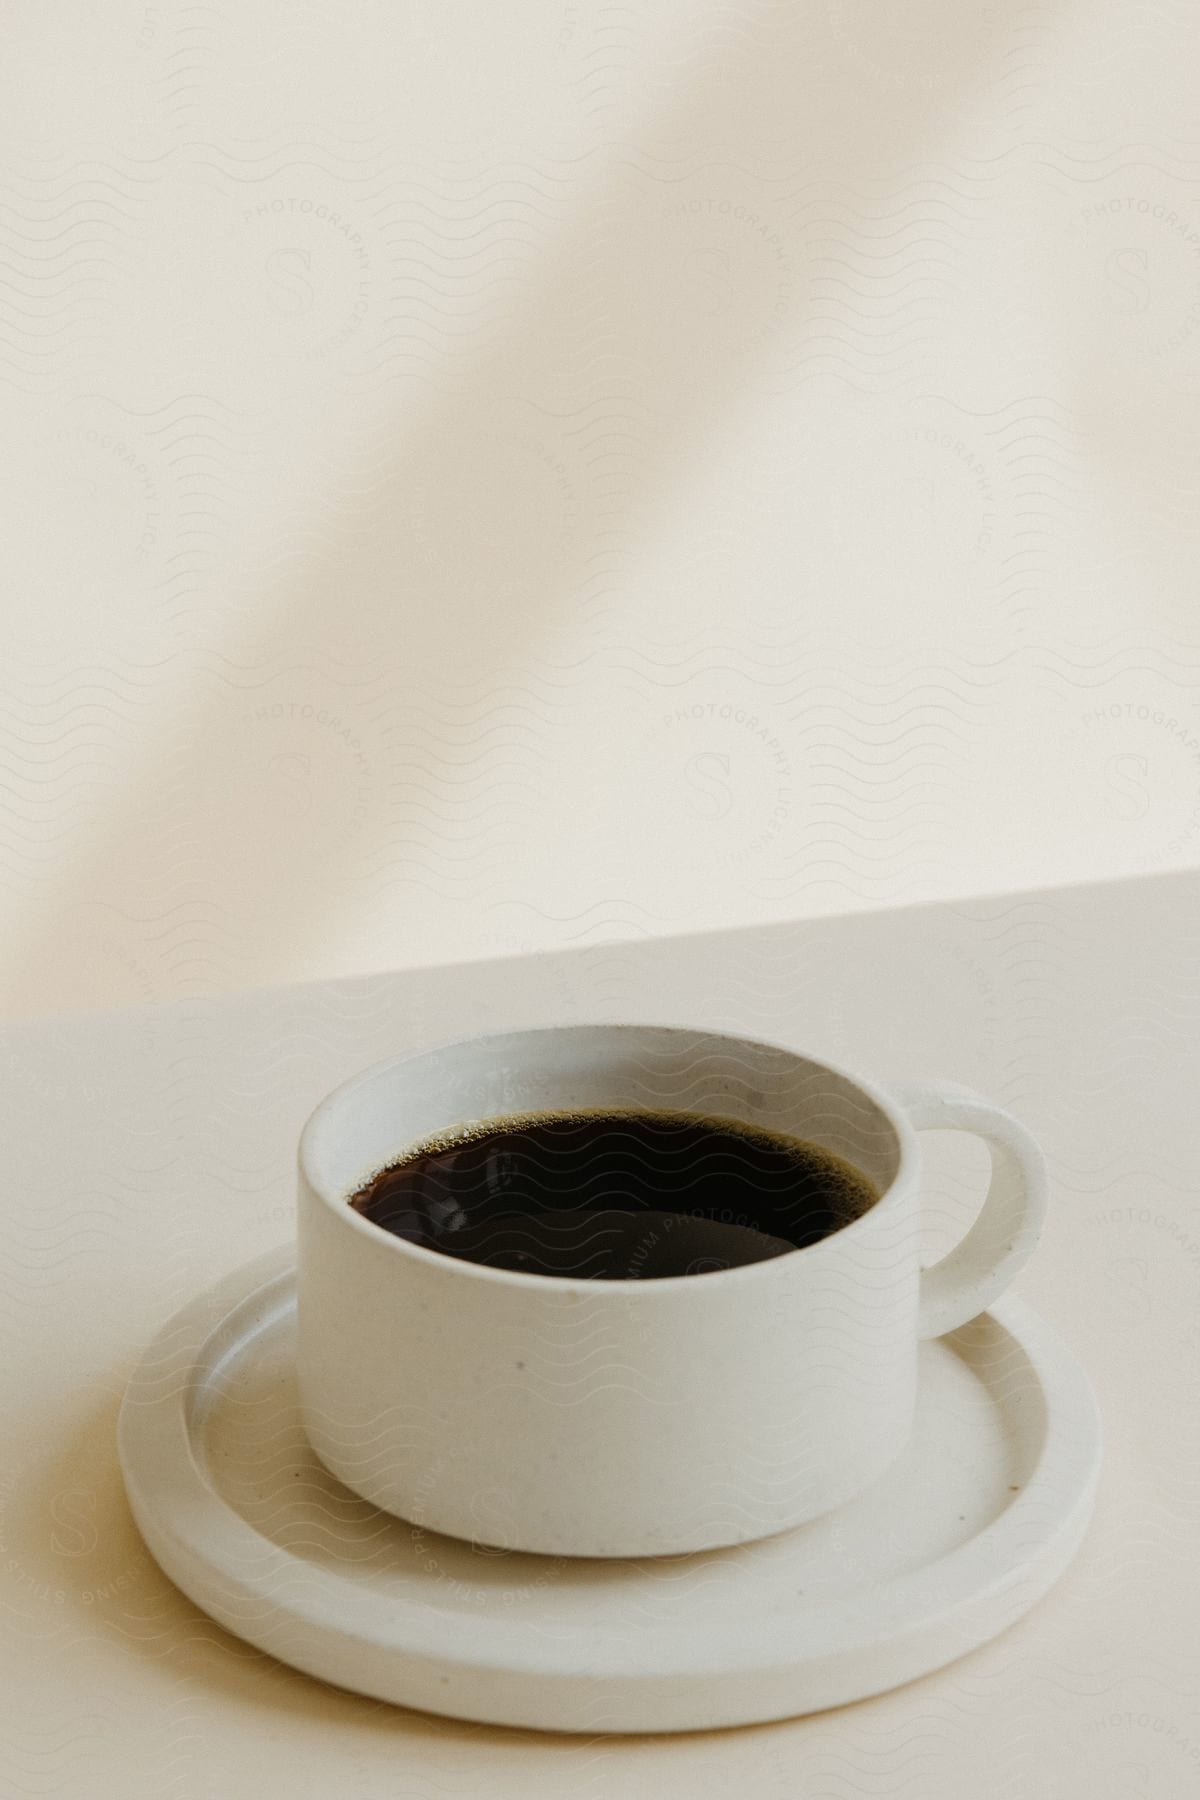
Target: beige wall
530	474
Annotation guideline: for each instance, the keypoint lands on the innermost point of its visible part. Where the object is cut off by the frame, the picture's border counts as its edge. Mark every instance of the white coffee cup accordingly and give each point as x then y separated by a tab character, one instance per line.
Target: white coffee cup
633	1418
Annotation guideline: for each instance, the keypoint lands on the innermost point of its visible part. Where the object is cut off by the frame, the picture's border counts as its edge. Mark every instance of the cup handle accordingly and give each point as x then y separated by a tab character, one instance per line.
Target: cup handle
978	1269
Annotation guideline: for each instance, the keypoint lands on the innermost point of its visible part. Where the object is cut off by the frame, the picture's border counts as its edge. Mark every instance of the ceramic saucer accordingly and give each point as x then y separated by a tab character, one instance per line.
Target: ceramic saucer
971	1526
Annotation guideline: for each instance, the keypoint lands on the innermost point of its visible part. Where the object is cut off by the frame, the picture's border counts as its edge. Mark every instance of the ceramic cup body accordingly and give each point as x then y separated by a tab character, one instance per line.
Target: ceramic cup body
631	1418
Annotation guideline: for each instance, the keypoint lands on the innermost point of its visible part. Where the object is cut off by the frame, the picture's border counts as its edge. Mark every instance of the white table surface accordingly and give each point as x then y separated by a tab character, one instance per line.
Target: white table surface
149	1151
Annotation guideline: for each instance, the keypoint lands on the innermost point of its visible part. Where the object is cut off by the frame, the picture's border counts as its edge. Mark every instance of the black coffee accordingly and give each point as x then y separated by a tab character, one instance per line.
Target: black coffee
615	1196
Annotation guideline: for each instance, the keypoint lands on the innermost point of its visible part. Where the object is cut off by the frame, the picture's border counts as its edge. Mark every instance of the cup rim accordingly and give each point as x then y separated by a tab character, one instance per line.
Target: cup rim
318	1122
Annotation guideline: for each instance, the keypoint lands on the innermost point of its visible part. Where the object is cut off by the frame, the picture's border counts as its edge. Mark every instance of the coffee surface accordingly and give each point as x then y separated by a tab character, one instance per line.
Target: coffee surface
615	1196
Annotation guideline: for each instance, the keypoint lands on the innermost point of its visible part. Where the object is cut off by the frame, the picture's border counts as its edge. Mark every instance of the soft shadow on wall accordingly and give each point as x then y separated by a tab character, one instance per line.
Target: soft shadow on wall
620	336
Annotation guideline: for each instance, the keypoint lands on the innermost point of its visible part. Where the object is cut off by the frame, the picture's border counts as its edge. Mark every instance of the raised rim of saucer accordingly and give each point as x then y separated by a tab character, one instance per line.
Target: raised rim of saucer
502	1664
